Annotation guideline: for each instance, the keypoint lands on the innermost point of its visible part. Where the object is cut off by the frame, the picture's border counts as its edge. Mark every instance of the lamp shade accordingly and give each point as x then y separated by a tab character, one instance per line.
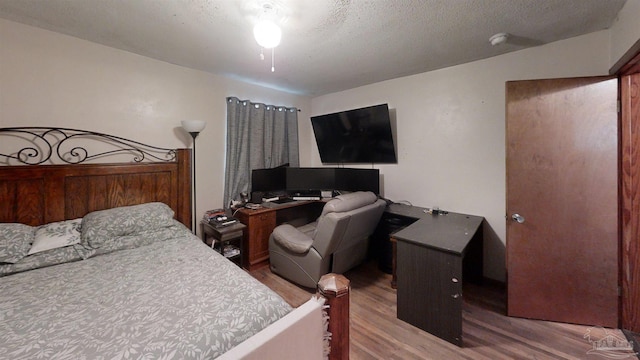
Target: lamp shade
267	34
193	126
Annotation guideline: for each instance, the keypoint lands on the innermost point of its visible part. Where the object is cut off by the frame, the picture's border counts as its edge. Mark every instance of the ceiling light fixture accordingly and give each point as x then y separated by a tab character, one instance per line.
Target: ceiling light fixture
267	32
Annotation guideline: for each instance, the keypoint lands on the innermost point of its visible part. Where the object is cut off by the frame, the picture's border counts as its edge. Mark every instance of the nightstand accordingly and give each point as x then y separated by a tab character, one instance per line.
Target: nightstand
227	240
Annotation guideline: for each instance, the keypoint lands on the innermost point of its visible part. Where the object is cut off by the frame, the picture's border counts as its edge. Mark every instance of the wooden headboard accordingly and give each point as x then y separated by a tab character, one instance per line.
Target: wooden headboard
40	194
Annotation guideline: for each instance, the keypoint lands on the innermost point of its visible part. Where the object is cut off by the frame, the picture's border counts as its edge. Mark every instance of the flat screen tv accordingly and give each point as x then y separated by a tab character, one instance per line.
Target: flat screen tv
355	136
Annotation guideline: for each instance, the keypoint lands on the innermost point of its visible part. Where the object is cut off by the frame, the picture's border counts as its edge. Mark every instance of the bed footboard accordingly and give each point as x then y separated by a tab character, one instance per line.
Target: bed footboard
335	288
301	334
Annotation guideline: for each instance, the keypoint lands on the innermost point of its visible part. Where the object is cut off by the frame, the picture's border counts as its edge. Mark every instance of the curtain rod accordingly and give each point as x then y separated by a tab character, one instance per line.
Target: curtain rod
239	100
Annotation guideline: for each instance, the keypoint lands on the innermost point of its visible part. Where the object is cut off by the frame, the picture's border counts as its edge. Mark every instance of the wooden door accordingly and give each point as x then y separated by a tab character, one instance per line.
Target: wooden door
562	200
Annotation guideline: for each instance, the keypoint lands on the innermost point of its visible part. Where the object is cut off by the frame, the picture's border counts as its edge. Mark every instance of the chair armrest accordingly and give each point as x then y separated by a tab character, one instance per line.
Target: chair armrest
292	239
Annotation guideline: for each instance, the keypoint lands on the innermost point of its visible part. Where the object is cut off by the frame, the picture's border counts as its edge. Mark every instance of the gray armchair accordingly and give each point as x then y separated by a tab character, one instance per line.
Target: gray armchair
336	242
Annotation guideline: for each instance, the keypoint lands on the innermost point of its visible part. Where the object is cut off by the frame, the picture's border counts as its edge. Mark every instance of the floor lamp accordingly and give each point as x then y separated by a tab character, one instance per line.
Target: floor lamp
193	127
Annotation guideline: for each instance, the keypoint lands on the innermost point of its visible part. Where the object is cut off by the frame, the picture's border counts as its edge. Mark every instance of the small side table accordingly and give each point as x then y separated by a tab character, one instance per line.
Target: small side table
226	240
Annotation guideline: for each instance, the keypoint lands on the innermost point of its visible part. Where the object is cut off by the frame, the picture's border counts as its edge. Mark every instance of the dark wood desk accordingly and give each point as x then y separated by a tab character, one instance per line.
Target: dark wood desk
434	254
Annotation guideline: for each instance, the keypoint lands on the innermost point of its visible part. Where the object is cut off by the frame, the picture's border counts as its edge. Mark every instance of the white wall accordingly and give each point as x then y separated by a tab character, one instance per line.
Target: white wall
50	79
625	31
451	129
450	122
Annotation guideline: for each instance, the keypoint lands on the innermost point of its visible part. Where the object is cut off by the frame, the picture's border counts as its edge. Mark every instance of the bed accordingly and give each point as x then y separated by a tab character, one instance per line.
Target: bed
120	274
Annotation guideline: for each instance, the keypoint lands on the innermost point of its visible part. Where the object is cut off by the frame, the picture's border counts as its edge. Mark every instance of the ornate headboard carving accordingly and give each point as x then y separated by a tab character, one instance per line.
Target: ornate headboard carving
49	145
41	194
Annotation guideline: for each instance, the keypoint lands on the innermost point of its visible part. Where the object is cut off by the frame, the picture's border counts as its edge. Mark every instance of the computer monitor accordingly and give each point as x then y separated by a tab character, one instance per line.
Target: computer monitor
269	180
304	179
294	179
358	180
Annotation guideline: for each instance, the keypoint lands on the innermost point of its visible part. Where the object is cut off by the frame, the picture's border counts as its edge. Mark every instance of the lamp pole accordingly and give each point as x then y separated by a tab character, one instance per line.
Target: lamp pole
194	135
193	127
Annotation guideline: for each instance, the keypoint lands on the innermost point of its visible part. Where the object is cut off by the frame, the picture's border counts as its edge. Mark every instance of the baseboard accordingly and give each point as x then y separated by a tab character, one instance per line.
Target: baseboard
493	283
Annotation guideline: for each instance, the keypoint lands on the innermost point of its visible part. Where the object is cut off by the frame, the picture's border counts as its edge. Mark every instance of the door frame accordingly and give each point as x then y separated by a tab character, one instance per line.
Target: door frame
629	207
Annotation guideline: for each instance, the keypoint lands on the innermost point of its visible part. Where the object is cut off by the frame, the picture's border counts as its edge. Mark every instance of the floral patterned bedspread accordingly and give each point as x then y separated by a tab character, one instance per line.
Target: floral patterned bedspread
172	299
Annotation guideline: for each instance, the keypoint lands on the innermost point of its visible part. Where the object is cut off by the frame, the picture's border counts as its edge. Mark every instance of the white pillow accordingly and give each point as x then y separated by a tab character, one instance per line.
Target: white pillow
56	235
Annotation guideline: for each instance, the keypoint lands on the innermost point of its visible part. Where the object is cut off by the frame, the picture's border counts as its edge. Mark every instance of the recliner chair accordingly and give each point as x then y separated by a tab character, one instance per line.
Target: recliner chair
336	242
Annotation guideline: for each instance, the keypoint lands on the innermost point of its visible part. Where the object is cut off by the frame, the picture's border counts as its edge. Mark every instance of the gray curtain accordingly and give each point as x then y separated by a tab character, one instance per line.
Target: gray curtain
259	136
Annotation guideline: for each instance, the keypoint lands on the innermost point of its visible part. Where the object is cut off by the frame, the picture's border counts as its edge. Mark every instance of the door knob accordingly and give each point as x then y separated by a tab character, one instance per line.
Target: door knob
517	218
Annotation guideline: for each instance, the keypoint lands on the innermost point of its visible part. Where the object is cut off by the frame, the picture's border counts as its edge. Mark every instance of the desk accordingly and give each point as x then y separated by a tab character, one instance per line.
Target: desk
261	222
434	254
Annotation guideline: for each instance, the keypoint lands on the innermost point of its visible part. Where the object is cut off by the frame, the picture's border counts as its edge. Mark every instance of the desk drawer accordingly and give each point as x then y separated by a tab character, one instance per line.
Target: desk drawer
430	290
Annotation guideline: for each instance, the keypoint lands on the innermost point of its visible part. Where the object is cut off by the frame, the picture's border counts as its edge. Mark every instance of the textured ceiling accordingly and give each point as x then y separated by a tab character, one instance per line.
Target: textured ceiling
327	45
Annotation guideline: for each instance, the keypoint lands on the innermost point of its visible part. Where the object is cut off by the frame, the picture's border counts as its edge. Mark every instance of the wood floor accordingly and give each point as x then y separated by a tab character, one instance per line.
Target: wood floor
376	333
